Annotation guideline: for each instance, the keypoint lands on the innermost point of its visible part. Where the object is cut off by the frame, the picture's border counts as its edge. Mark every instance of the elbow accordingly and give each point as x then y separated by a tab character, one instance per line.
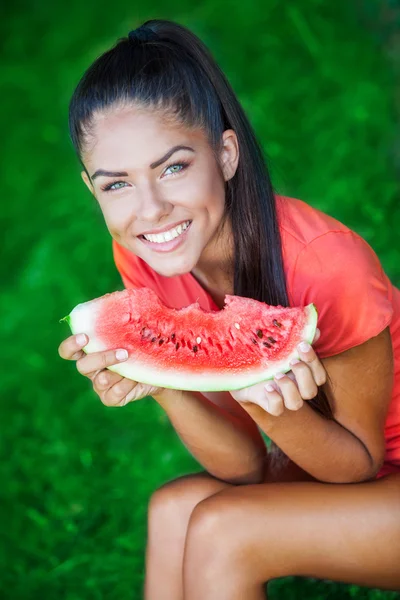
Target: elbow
363	473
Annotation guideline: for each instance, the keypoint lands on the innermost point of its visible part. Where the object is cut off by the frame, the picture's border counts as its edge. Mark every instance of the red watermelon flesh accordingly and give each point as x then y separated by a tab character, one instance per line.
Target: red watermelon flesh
192	349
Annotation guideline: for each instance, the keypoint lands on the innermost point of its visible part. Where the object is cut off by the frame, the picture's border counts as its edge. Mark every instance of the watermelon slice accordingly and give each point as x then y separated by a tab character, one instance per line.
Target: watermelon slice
192	349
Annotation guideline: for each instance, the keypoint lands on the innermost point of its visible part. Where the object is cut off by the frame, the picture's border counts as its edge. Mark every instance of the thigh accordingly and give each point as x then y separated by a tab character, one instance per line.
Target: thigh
344	532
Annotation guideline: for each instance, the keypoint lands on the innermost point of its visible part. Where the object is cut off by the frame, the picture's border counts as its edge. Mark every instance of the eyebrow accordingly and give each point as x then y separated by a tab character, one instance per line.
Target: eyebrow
154	165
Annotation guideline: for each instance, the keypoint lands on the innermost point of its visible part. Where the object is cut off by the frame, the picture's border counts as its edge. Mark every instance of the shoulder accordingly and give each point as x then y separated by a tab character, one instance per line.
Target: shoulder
302	222
340	273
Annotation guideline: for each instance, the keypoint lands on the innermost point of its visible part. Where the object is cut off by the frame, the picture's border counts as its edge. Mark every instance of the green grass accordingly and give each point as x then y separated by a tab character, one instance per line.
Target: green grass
317	82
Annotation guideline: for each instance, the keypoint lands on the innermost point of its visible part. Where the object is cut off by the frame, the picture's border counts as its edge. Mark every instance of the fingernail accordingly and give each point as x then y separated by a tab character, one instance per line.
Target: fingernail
279	375
304	346
121	354
269	387
294	361
81	339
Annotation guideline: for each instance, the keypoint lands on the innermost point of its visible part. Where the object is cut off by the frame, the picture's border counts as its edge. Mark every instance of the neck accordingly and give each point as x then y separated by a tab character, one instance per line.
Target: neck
214	271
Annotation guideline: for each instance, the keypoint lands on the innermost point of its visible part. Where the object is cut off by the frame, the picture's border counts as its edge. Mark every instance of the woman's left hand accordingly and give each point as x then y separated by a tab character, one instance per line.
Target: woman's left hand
289	389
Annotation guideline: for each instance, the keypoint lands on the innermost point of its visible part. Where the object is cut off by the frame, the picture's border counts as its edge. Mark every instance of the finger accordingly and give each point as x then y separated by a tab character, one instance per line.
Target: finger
290	392
307	355
275	404
117	395
96	361
304	378
71	348
104	379
317	335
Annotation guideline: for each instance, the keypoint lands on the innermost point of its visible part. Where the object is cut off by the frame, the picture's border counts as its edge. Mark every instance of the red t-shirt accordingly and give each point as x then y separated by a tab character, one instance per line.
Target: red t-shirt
325	263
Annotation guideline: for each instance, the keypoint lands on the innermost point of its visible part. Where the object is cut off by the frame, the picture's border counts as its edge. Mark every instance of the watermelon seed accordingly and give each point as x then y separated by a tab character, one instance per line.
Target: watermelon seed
267	345
177	345
198	340
259	333
275	322
153	339
172	336
271	339
160	342
195	348
237	325
254	341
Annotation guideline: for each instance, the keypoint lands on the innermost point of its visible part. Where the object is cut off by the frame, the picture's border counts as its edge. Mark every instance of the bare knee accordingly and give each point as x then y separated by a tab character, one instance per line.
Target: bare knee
171	505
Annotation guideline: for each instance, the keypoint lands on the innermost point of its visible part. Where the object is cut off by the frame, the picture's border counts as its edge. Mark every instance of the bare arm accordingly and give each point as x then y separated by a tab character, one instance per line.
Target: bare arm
218	433
351	448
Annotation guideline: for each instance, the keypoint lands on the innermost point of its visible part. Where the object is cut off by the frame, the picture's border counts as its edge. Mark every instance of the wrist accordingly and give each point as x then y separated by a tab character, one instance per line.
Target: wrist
165	396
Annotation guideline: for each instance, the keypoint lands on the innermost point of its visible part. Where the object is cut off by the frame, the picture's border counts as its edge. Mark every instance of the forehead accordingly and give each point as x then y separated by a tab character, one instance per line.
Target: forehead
136	136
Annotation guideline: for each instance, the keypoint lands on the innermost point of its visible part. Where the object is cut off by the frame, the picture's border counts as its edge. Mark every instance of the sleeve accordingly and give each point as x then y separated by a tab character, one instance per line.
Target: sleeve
341	274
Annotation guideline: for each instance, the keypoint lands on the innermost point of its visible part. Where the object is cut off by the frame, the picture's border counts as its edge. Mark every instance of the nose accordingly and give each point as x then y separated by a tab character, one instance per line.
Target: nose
151	206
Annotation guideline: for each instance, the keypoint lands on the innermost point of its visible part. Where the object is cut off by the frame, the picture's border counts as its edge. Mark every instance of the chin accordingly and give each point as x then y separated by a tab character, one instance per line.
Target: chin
172	270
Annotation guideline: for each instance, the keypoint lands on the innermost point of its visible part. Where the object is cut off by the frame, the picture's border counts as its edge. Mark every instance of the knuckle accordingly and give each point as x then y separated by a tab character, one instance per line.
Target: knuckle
101	379
105	398
103	360
295	405
276	407
109	399
310	393
118	390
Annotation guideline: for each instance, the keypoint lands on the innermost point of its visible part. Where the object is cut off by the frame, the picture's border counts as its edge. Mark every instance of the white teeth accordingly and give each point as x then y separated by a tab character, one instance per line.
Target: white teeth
159	238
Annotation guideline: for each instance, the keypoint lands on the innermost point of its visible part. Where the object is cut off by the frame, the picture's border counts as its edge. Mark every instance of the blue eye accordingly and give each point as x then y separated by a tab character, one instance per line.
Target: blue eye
183	164
110	186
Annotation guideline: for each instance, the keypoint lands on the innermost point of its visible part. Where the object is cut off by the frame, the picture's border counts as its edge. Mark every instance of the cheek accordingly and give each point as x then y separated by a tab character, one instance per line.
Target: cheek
208	194
116	215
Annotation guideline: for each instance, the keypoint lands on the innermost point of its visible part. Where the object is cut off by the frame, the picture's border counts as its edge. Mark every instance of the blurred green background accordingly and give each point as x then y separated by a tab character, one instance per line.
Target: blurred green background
318	81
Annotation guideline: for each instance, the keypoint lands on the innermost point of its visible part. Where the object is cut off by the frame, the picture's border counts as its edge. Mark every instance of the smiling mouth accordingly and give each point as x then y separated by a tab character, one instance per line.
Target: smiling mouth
166	236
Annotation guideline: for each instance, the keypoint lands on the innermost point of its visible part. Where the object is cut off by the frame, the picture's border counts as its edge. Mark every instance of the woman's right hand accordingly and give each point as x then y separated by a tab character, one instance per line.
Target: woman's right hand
113	389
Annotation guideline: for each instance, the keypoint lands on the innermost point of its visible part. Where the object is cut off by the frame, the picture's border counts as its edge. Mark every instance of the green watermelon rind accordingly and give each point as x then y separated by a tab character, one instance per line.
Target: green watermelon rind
205	382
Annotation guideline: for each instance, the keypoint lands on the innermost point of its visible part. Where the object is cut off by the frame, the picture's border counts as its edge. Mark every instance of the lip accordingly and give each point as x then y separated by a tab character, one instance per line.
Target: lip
167	246
163	229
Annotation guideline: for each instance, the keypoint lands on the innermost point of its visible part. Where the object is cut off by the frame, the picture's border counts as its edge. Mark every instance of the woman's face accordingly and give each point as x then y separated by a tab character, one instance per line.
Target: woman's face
177	204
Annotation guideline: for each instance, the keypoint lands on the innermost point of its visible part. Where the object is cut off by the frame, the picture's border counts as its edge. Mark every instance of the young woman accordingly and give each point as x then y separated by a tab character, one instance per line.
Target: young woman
172	160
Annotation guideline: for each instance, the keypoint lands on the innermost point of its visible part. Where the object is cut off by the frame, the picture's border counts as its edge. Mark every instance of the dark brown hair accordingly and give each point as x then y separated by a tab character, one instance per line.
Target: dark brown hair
170	68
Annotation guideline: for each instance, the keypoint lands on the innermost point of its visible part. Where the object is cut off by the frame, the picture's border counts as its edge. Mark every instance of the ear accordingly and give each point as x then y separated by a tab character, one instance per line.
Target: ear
87	182
229	154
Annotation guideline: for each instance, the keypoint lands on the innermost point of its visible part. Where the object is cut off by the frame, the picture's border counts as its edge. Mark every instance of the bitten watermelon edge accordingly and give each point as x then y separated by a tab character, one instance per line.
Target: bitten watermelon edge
245	343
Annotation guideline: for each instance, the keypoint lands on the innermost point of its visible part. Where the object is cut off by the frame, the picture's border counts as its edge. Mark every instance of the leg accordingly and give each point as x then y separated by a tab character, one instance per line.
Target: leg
244	536
168	517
